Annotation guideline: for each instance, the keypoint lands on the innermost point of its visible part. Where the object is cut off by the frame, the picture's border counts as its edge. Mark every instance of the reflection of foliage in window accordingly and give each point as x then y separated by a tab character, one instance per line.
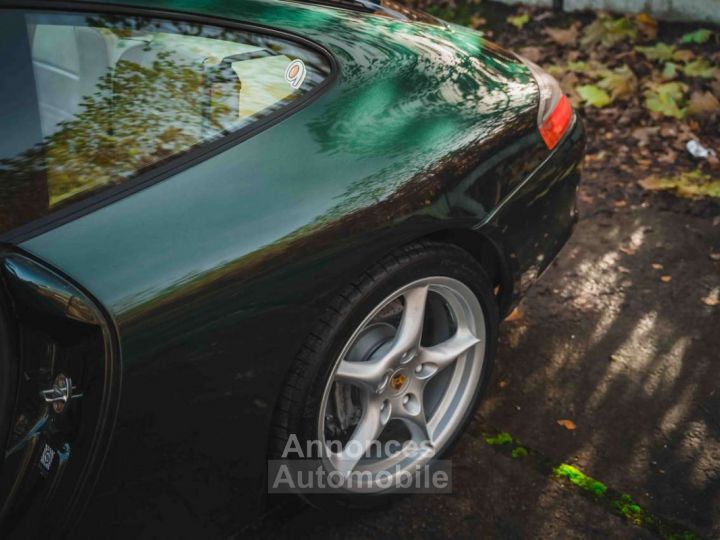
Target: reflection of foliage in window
184	89
136	117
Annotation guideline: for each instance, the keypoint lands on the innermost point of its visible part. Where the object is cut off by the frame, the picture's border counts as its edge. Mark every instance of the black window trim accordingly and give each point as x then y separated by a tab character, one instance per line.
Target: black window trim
174	165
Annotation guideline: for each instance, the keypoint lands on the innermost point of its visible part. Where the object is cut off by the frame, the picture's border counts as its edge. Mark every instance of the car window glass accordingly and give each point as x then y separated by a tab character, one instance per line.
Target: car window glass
96	99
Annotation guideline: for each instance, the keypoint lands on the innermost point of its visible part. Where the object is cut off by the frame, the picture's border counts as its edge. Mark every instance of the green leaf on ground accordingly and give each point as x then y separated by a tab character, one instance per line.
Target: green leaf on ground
698	36
555	70
593	68
609	31
578	67
621	82
518	21
700	68
670	71
667	99
660	52
691	185
594	95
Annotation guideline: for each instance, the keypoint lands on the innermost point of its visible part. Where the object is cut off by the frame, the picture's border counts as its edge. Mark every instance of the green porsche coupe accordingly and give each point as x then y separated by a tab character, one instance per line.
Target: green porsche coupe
233	227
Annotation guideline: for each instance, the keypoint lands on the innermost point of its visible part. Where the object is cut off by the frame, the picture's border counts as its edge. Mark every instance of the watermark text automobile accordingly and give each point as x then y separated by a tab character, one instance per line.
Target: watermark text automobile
317	467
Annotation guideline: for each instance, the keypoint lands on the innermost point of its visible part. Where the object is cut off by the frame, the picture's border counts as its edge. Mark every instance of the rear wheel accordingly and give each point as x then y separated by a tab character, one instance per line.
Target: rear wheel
391	374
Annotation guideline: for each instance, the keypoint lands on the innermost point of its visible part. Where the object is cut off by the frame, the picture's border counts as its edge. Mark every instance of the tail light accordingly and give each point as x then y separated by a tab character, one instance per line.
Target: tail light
554	114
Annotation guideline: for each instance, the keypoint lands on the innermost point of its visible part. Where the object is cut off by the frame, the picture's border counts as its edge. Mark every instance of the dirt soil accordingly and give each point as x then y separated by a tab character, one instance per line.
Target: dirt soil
621	336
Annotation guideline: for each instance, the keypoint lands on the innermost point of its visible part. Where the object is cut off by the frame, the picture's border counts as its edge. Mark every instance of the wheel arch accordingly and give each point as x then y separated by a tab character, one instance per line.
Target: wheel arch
489	253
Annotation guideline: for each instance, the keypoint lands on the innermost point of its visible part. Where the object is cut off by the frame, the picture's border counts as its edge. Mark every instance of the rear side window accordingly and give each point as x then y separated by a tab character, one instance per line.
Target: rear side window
88	101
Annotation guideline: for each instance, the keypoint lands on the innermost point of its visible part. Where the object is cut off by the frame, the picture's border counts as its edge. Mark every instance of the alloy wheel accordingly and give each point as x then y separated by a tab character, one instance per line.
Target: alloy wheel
404	381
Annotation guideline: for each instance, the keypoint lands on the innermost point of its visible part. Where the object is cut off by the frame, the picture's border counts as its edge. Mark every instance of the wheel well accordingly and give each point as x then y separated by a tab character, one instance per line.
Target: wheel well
490	256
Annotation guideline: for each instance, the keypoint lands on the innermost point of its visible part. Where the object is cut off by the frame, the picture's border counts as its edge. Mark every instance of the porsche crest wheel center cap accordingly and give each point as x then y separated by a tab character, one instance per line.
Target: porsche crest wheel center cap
398	381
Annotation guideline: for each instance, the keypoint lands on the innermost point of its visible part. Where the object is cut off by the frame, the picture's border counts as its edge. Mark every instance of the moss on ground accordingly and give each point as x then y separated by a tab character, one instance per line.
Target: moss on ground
580	479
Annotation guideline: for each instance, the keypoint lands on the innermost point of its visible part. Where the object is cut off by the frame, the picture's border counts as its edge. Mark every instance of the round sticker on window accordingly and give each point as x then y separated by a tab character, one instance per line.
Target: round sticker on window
295	73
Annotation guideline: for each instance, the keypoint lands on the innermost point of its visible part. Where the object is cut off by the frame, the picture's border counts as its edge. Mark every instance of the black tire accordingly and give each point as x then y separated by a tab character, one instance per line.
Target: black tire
298	407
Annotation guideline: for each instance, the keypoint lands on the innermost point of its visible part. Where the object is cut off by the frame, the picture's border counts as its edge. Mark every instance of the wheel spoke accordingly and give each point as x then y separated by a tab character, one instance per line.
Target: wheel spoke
417	424
445	353
369	428
411	325
367	375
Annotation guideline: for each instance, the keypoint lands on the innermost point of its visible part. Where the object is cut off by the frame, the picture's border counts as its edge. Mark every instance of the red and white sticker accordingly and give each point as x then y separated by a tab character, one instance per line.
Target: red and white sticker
295	73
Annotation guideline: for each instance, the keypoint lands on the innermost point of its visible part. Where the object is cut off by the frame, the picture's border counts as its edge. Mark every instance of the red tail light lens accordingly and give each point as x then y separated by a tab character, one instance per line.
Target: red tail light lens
554	111
553	129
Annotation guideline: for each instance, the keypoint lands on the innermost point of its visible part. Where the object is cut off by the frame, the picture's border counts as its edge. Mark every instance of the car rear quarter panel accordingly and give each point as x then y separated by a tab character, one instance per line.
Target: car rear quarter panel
215	275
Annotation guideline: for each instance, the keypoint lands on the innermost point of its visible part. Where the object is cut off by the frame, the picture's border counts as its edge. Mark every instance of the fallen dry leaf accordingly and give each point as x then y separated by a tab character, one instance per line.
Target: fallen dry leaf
563	36
534	54
715	256
567	424
703	103
620	82
647	25
657	266
623	270
628	250
666	279
620	204
503	384
643	134
584	197
515	315
713	298
683	55
477	21
670	156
